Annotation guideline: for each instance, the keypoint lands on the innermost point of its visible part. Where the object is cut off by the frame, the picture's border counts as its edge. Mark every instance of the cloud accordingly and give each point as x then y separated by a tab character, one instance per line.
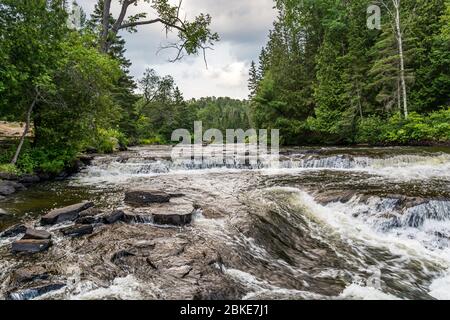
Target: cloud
243	27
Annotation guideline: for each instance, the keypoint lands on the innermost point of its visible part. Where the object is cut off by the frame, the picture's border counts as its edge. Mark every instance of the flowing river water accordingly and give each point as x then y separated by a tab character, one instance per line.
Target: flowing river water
328	223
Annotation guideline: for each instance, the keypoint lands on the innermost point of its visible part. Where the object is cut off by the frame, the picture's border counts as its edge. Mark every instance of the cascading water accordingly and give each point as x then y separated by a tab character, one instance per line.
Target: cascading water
321	224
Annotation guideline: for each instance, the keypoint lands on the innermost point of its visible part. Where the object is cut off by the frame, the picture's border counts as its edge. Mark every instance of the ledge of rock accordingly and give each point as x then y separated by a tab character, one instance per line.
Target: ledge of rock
144	198
113	217
78	230
69	213
31	246
36	234
176	214
14	231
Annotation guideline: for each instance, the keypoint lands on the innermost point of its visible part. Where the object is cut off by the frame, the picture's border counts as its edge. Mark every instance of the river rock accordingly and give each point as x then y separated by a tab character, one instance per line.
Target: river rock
35	291
37	234
88	220
28	274
31	246
78	230
69	213
113	217
176	215
91	212
145	198
13	231
6	190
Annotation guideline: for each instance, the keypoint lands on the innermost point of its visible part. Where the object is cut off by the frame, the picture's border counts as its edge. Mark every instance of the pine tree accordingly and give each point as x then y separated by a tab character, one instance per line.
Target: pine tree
253	80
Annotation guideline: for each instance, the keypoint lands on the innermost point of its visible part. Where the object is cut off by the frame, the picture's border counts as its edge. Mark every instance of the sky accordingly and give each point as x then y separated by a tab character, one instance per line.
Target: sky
243	26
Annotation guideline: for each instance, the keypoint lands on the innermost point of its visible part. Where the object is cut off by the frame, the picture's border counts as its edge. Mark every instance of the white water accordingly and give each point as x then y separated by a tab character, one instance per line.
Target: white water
421	232
416	238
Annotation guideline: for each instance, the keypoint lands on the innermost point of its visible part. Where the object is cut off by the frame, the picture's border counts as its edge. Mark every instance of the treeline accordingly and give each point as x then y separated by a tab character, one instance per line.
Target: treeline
161	109
325	77
71	85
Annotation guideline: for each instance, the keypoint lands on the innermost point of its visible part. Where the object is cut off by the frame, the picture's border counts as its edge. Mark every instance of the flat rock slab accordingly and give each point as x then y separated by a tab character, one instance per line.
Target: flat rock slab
69	213
145	198
31	246
14	231
78	230
37	234
172	214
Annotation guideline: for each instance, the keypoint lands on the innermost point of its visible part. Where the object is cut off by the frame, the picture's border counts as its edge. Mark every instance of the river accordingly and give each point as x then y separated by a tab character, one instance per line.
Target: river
328	223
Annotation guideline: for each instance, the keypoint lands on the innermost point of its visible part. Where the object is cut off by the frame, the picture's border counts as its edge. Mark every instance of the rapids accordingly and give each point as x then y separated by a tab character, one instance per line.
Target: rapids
326	223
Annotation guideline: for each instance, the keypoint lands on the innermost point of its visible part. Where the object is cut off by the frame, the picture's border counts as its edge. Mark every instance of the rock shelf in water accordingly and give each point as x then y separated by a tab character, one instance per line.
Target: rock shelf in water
139	198
31	246
36	234
69	213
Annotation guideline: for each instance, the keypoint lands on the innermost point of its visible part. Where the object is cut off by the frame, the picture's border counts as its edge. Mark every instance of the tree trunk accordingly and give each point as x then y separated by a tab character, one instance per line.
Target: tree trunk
402	58
399	93
25	132
105	26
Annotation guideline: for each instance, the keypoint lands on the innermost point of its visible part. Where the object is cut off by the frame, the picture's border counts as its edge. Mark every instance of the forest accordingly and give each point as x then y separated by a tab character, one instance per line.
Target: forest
324	78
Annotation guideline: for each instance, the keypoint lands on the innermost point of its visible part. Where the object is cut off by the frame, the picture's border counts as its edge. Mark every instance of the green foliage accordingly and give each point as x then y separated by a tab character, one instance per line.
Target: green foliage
434	127
324	77
158	140
9	168
109	140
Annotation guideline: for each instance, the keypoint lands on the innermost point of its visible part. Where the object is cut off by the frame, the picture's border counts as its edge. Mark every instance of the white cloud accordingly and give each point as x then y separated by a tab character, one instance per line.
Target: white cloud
243	27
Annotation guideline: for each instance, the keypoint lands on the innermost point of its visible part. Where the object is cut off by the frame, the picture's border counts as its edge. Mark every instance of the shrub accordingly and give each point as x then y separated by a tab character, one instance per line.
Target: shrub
370	130
157	140
9	168
108	141
434	127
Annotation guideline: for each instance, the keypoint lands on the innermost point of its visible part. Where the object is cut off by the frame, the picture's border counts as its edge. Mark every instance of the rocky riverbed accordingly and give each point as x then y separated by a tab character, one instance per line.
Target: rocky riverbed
326	224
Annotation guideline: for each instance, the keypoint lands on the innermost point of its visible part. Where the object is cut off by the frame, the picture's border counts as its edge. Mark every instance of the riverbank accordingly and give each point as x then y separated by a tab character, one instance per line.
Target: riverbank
328	223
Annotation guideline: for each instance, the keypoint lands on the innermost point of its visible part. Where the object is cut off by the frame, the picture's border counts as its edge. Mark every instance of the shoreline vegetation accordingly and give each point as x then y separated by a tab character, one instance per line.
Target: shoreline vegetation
323	78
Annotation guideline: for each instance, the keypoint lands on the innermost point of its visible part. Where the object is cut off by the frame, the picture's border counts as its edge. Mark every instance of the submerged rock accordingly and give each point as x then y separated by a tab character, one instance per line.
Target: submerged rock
13	231
145	198
36	234
30	246
78	230
69	213
34	292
